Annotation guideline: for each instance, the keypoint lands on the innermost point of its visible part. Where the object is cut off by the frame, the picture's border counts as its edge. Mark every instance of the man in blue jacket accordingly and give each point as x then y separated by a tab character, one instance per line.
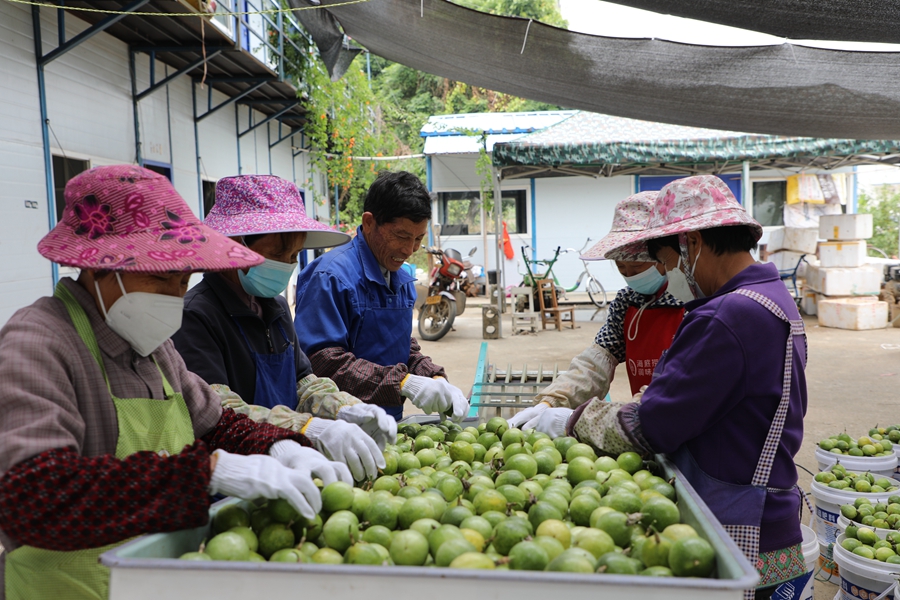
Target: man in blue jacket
355	307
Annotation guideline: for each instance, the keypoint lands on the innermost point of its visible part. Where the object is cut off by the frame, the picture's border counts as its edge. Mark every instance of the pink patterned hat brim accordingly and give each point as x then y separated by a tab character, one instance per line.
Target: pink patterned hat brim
631	216
612	241
126	218
263	204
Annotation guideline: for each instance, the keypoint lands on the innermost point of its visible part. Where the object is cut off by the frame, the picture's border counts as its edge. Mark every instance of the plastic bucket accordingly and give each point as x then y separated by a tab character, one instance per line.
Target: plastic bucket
828	508
862	578
844	522
884	466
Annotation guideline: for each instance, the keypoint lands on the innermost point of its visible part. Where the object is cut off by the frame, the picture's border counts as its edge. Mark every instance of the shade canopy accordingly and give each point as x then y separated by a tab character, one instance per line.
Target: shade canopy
782	90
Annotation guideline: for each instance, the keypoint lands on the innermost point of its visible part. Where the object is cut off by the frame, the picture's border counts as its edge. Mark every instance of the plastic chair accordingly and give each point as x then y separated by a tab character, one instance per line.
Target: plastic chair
550	310
791	274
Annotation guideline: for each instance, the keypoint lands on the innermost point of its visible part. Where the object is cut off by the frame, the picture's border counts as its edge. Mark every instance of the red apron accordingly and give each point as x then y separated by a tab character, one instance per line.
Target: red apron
648	333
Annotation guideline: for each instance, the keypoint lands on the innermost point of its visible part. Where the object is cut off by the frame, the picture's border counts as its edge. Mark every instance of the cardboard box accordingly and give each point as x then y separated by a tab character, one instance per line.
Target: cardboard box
842	254
895	314
786	260
845	227
808	300
798	239
859	281
853	313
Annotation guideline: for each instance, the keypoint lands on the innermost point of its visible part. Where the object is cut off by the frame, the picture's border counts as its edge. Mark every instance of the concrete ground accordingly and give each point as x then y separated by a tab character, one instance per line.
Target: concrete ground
852	376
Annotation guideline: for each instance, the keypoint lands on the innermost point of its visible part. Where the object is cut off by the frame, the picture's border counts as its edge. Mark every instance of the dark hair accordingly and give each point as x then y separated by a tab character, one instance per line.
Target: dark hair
654	246
730	239
398	195
285	239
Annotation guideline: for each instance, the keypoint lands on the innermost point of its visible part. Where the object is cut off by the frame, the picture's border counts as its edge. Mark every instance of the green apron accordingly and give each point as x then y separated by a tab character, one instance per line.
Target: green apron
162	426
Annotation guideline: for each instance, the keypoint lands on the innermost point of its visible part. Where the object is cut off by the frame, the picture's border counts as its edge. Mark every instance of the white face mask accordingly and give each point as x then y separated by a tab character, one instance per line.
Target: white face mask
142	319
678	284
698	293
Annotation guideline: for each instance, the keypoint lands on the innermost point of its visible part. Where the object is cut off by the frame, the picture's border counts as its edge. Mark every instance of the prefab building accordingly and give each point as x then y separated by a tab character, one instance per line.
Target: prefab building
166	84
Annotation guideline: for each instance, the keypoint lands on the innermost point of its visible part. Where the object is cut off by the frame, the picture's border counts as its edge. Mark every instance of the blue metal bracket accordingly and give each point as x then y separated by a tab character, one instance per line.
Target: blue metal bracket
268	119
99	27
282	136
154	85
211	109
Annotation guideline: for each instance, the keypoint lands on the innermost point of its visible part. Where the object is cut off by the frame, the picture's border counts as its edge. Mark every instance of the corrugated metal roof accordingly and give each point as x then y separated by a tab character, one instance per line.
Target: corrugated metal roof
460	134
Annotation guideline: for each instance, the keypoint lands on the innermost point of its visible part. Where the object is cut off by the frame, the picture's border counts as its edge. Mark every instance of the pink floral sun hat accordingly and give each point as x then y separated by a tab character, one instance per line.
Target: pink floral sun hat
127	218
631	216
688	204
260	204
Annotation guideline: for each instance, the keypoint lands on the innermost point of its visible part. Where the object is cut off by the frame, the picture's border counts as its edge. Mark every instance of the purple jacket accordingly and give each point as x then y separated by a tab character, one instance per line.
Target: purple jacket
719	386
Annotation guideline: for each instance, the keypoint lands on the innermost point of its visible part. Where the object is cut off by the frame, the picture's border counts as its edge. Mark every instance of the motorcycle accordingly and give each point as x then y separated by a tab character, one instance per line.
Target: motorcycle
446	296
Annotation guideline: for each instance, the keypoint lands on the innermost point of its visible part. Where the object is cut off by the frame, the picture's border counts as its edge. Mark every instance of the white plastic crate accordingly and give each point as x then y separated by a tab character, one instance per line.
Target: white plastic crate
845	227
842	254
798	239
853	313
836	281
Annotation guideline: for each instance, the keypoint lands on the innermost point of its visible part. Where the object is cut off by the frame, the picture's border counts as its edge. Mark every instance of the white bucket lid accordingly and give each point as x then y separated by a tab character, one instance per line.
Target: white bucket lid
859	463
875	570
843	523
831	495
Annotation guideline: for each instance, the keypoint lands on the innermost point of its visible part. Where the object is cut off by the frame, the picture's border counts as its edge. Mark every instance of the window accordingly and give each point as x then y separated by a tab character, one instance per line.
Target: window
209	196
161	168
65	169
768	202
459	213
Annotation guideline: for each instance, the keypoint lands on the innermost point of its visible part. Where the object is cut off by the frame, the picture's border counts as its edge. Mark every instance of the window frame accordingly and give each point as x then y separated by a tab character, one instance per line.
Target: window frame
518	195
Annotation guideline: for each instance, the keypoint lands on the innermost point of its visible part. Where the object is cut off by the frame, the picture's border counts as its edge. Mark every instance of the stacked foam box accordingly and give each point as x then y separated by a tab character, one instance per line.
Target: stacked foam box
847	288
787	245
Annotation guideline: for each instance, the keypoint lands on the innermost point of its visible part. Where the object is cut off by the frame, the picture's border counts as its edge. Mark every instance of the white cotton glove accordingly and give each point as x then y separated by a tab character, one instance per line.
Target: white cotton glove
435	395
373	420
553	421
528	418
346	443
260	476
294	456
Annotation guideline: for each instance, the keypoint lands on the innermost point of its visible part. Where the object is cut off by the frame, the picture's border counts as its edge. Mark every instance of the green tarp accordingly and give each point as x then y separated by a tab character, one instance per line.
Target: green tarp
605	145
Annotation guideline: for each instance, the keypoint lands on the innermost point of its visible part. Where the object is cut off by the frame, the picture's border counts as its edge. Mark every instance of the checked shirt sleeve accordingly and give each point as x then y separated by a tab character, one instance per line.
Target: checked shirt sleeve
371	383
612	335
59	500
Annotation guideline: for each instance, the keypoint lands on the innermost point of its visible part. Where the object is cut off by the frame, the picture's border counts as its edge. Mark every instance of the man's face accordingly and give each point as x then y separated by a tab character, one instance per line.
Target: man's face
393	243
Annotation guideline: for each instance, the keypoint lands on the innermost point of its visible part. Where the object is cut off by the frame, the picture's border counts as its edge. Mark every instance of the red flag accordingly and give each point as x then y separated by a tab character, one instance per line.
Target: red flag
507	244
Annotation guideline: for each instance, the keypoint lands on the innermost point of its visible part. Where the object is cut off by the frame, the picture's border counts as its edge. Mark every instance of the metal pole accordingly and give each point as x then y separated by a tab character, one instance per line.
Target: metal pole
237	132
746	188
197	148
269	144
501	278
369	67
169	124
134	109
45	134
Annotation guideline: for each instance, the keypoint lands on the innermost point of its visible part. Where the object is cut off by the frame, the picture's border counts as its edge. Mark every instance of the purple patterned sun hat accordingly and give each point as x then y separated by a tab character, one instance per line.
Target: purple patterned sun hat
631	216
260	204
127	218
687	204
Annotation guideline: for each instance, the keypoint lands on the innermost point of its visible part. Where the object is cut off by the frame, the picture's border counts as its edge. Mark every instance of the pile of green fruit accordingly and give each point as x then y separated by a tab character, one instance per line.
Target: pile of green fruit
884	515
864	542
879	442
490	497
839	478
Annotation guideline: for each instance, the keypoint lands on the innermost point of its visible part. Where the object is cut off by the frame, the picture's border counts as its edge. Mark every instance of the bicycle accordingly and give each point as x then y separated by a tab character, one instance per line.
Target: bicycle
594	288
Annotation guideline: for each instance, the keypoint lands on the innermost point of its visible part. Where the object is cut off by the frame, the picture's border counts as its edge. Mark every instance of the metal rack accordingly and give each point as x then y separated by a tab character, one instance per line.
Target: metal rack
502	392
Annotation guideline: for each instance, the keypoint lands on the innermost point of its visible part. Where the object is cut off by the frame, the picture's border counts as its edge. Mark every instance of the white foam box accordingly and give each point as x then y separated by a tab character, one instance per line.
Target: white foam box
842	254
845	227
853	313
837	281
787	259
798	239
808	300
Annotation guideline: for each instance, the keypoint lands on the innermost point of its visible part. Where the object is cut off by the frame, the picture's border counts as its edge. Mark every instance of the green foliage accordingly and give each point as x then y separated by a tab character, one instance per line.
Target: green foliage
355	116
545	11
884	205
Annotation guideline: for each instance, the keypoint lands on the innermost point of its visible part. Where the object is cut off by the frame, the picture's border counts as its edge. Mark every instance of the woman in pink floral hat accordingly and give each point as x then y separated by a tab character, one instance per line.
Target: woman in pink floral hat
105	434
727	401
640	324
238	334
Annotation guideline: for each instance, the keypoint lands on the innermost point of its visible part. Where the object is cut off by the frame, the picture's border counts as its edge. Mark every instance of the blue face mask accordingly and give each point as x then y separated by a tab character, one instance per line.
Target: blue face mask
647	283
268	279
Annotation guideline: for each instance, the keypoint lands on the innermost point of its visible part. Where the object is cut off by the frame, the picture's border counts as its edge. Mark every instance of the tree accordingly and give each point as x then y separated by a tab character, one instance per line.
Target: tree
884	206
